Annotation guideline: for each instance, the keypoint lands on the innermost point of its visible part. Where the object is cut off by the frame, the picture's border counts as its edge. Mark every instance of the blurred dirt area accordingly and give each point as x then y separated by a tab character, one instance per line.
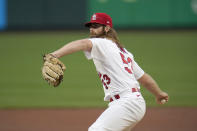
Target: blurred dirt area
155	119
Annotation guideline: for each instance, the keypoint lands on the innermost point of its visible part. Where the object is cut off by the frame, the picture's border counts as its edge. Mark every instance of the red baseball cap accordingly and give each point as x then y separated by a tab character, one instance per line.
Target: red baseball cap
100	18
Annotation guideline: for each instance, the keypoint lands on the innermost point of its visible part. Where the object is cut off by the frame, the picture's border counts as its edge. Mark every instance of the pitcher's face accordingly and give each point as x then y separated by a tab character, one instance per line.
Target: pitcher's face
96	30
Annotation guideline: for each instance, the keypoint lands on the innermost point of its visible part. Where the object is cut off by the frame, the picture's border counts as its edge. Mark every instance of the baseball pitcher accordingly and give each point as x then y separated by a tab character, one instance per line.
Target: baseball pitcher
120	75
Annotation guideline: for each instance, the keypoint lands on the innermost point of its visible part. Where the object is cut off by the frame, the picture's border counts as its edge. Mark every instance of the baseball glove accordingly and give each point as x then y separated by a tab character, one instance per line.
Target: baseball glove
53	70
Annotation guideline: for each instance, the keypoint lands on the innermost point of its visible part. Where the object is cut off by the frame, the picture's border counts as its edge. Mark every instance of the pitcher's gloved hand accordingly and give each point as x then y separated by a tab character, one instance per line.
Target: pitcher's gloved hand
53	70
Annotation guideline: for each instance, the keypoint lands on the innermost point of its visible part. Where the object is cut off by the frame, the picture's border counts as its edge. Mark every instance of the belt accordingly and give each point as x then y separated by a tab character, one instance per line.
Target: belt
117	96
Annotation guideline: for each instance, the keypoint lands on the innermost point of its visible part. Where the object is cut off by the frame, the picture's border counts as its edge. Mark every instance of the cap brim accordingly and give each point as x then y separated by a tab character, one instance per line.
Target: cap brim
89	23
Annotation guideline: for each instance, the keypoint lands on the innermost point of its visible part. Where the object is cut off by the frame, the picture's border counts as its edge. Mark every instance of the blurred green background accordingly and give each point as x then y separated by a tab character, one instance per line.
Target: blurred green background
161	34
169	56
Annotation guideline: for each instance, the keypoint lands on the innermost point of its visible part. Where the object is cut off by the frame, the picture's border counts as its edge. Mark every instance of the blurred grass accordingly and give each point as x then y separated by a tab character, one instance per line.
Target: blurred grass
169	56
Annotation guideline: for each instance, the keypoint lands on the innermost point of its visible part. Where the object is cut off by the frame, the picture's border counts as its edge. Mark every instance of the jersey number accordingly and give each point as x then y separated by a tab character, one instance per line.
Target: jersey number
105	80
128	62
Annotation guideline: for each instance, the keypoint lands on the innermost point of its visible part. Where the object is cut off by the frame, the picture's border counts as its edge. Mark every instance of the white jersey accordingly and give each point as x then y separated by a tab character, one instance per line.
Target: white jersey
116	67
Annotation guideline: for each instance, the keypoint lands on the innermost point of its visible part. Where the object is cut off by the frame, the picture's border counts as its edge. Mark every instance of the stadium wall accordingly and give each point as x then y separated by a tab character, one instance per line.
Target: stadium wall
72	14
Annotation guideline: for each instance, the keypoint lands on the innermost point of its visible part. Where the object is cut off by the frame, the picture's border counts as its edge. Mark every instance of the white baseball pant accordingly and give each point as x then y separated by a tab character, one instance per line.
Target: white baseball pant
121	115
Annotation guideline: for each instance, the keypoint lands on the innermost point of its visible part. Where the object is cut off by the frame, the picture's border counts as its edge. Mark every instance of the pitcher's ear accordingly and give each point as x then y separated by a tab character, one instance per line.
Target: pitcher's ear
107	28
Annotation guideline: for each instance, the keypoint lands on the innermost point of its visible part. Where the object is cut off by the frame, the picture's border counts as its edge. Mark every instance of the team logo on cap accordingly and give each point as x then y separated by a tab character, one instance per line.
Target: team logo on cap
94	17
